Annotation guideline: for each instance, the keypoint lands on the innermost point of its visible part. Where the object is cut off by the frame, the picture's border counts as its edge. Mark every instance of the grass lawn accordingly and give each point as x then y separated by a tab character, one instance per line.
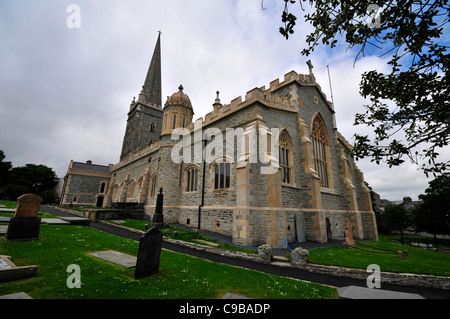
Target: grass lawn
184	235
180	276
418	261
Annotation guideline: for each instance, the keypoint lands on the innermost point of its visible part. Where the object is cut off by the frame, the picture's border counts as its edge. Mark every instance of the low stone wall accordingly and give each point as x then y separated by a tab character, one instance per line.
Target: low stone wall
218	251
402	279
99	214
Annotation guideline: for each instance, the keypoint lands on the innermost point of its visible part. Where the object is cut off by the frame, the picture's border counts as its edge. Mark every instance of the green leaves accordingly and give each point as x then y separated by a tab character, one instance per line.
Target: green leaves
288	19
412	100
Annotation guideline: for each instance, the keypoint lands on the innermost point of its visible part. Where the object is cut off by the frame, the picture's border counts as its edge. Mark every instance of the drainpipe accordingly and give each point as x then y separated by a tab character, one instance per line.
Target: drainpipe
205	140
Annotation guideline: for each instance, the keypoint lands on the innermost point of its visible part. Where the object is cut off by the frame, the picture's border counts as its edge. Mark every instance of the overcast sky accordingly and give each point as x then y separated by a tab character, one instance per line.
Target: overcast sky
65	92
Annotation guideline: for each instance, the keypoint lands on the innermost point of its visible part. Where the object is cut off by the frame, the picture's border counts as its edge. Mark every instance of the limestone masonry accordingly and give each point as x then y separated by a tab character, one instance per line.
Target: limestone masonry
314	189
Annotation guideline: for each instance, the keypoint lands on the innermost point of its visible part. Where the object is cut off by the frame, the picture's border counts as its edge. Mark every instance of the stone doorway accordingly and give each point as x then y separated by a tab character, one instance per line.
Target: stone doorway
99	201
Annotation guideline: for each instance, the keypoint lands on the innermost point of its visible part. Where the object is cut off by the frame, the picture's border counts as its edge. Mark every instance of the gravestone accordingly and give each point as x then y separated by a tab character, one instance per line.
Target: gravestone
328	224
158	218
349	241
25	224
300	227
149	253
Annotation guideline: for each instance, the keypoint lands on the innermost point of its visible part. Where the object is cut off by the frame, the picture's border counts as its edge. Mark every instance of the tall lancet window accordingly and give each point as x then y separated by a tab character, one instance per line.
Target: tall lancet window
286	158
320	142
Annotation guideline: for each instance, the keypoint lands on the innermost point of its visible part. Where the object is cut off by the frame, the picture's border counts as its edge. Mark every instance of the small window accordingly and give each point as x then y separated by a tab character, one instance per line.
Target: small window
102	187
174	122
191	180
184	121
222	173
75	198
152	128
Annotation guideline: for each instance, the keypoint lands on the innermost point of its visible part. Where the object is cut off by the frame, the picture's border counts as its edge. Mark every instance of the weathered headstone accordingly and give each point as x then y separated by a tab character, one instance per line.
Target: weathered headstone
349	241
28	206
149	253
25	224
158	218
300	227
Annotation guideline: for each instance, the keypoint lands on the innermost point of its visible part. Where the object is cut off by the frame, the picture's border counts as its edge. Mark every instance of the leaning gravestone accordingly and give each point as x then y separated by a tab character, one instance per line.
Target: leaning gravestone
149	253
25	224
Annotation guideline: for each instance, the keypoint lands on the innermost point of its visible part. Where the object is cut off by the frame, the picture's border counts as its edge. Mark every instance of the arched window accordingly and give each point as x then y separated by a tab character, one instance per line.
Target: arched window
320	142
152	186
286	158
115	195
191	179
131	189
222	174
174	122
152	128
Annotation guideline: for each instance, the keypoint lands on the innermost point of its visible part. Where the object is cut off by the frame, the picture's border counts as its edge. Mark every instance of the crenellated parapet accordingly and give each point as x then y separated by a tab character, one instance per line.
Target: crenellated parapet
267	97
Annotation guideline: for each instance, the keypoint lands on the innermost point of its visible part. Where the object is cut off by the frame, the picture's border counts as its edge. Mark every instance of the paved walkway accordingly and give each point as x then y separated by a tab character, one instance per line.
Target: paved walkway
271	269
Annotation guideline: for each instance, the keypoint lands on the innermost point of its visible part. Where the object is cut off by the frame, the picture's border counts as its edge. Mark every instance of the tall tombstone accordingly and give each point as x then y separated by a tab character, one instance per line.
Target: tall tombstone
300	227
329	233
149	253
25	224
158	218
349	241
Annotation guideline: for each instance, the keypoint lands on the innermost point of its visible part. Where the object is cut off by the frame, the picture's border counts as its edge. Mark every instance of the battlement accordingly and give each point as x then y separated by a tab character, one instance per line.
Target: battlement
267	97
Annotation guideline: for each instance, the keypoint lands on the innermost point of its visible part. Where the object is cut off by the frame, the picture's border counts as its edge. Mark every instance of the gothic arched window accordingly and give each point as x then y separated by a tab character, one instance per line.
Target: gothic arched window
132	189
152	186
286	158
320	142
222	174
191	179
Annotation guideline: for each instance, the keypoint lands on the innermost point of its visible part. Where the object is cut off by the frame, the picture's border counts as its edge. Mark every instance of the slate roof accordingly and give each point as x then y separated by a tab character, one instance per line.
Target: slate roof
91	167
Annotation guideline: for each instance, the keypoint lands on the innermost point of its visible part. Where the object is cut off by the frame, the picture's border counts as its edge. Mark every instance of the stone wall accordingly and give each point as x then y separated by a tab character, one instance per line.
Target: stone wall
85	188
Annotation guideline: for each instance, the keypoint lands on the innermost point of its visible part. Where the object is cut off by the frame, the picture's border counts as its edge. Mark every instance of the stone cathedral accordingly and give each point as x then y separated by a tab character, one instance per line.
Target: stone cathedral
315	188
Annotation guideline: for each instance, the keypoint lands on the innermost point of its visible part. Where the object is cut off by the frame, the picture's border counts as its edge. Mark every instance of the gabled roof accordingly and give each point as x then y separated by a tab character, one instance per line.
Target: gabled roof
91	167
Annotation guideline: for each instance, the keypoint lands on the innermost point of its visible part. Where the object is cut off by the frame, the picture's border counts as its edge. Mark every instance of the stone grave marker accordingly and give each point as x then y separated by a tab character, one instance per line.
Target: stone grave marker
149	253
158	218
300	227
25	224
354	292
116	257
349	241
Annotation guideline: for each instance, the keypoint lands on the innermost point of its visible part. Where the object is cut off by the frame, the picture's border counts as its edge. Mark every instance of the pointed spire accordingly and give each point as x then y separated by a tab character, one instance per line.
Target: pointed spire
151	90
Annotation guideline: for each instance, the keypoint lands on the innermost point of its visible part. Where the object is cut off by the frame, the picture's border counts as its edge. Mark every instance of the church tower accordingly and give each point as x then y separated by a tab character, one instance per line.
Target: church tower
144	121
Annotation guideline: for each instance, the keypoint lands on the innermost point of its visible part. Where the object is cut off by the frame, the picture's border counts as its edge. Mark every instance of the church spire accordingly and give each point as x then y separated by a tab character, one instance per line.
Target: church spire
151	90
